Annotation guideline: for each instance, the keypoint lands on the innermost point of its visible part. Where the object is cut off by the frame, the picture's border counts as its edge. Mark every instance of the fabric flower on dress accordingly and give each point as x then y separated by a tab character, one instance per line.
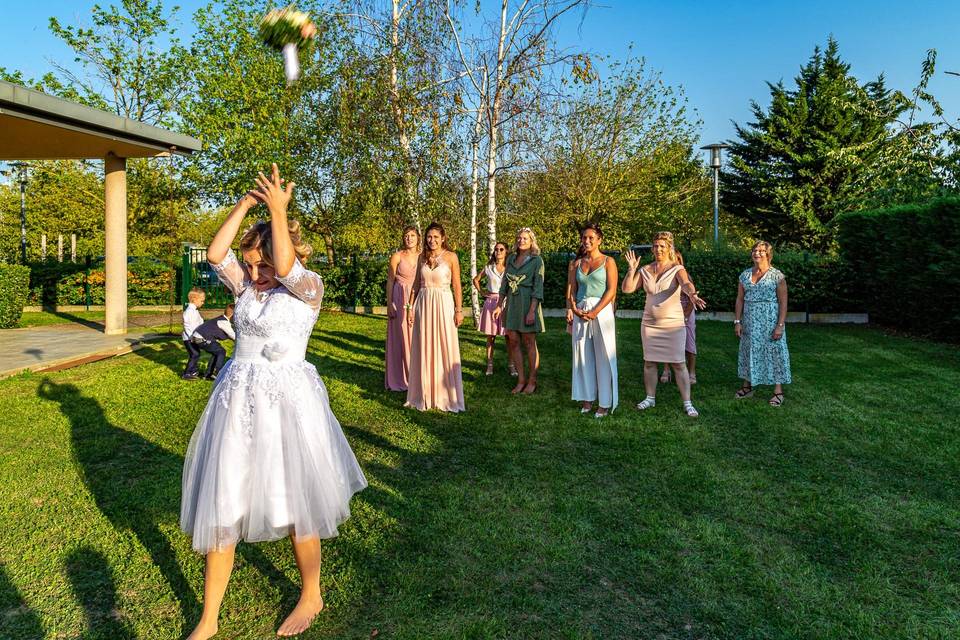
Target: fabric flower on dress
274	351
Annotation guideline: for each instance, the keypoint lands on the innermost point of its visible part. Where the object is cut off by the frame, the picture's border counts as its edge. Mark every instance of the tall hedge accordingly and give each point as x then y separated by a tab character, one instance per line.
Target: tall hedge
907	259
13	293
65	283
816	283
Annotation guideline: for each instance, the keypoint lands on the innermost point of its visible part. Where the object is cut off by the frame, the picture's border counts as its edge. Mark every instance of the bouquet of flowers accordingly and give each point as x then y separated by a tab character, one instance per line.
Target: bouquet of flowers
286	30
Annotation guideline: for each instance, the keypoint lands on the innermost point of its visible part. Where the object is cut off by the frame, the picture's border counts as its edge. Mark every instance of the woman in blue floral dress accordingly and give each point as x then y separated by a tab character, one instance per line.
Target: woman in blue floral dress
760	323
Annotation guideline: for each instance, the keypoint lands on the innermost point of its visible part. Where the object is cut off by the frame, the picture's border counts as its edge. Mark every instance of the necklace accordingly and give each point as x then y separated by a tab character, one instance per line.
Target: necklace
434	260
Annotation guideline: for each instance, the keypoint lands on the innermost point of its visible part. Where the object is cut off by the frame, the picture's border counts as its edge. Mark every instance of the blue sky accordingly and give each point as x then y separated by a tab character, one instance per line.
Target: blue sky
722	53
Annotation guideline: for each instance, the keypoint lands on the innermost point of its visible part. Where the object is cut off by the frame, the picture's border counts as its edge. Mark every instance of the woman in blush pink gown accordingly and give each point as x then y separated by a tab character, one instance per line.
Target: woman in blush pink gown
436	380
400	275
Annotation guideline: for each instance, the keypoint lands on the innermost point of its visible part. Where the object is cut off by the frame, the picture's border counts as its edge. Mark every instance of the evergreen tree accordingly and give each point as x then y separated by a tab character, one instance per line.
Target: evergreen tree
813	153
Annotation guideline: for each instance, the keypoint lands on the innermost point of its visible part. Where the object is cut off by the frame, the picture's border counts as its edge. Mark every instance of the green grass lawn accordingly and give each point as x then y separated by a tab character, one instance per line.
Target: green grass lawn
835	516
45	318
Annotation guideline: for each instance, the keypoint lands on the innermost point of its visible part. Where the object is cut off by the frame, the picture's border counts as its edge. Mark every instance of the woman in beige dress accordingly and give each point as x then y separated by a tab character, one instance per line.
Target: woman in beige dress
436	380
663	329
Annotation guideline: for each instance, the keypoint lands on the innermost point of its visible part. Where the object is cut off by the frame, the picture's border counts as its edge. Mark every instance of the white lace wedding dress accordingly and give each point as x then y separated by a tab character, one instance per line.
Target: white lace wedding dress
268	458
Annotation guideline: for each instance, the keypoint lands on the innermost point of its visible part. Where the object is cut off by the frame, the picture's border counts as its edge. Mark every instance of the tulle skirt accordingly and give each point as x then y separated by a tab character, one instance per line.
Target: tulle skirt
268	459
488	325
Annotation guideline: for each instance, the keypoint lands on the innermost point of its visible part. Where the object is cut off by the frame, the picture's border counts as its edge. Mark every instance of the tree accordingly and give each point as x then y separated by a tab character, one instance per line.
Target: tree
122	52
618	150
811	154
406	47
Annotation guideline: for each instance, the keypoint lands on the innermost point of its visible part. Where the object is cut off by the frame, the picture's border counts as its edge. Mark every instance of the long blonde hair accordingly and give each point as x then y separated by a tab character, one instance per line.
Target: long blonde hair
260	237
534	247
667	237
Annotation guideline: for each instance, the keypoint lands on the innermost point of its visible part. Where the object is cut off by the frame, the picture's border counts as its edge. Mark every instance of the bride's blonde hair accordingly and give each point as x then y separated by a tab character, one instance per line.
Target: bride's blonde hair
260	235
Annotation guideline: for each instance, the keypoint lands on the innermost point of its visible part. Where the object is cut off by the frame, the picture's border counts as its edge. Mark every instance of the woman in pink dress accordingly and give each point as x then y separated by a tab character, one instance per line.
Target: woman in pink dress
663	328
490	326
436	380
690	346
400	275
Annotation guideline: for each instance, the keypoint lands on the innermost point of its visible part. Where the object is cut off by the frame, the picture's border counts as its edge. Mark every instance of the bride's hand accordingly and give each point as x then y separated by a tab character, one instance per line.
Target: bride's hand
270	191
247	201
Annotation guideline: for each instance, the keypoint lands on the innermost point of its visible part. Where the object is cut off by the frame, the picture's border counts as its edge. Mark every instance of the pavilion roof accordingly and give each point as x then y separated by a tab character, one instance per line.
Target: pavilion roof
38	126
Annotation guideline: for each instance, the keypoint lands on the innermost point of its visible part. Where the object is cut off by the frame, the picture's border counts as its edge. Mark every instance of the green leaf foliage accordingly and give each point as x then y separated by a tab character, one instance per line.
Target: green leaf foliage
908	260
819	149
13	293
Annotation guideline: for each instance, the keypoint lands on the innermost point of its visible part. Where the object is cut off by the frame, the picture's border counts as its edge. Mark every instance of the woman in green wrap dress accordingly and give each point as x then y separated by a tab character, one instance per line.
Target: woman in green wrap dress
521	293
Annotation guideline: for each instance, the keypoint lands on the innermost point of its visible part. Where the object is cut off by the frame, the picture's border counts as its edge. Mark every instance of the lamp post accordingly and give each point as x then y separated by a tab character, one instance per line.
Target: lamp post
715	162
18	170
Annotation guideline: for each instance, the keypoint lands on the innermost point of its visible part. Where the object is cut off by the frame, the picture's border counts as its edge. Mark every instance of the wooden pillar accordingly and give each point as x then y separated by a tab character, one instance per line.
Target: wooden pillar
115	244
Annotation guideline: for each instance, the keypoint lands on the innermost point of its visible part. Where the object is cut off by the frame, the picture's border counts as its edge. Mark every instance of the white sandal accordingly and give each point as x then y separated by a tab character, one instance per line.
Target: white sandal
647	403
690	409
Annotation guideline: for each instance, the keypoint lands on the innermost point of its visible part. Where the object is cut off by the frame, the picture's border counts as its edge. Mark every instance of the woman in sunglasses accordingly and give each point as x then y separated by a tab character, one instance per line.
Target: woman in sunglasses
490	326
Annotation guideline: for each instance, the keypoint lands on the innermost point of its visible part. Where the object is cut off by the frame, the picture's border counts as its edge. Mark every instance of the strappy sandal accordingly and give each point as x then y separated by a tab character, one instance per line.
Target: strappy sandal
690	410
646	403
746	391
665	376
776	400
489	368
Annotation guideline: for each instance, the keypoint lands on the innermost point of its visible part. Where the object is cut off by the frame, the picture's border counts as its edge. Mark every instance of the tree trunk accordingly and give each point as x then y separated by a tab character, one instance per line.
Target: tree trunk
494	125
474	185
411	212
492	179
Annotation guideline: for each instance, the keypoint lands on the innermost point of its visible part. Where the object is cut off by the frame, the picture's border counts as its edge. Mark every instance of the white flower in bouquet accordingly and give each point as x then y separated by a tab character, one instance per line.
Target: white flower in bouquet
287	30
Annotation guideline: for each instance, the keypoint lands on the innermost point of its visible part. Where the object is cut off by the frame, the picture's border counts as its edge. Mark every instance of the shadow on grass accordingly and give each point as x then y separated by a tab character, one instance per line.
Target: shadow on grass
17	620
93	584
66	316
136	485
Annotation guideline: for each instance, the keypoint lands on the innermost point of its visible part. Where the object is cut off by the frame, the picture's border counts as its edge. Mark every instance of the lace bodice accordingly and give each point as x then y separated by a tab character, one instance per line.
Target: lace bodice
274	325
439	276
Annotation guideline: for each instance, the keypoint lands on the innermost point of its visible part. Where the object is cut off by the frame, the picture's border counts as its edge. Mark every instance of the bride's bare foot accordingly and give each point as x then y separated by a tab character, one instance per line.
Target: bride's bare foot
530	387
203	631
519	387
301	617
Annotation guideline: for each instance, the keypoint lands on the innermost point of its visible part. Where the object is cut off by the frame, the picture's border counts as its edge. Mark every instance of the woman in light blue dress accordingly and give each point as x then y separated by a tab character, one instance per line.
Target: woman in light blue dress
760	323
591	291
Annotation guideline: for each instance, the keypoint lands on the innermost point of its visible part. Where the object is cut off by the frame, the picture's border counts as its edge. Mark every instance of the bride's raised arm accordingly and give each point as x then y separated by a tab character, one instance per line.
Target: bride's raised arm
220	256
301	282
277	198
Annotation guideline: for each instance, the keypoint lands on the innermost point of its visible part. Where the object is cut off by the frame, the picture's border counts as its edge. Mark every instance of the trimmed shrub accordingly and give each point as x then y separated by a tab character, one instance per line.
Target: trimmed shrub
819	284
907	260
64	283
13	293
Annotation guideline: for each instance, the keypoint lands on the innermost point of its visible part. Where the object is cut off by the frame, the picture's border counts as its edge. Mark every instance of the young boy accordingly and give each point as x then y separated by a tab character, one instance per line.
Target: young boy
208	336
191	320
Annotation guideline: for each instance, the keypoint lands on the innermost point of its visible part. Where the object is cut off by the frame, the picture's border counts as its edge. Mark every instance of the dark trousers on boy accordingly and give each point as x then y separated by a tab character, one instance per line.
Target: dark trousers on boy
218	356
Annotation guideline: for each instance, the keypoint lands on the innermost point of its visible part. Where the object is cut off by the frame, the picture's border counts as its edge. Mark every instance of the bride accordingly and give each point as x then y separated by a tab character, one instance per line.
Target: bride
268	458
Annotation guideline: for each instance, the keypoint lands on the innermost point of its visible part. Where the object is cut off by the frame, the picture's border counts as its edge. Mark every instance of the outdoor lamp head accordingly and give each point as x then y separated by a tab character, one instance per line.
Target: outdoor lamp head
715	149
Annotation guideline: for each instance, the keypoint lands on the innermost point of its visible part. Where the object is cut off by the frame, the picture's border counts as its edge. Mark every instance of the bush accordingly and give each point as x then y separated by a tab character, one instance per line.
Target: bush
13	293
65	283
818	284
907	259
